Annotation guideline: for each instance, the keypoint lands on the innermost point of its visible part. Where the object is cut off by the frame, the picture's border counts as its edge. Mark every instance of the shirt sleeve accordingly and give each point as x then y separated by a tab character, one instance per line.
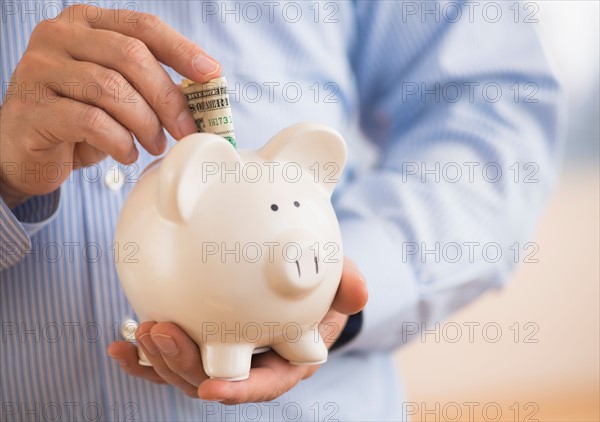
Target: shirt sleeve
465	116
17	226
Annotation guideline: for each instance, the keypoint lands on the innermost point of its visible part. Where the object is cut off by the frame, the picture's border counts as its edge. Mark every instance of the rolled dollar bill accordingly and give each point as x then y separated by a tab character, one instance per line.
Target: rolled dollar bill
209	103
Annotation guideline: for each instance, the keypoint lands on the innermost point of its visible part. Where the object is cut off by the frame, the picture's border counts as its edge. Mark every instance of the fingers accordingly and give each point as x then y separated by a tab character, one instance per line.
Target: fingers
107	89
166	44
332	326
126	355
270	377
132	43
179	351
71	121
49	130
174	356
85	155
131	58
352	292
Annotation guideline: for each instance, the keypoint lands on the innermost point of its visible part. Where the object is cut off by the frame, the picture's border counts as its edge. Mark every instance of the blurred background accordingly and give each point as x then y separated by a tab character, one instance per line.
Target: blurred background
546	364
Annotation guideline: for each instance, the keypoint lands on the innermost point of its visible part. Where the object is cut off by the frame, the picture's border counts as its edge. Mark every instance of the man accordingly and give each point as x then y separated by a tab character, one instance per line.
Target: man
451	95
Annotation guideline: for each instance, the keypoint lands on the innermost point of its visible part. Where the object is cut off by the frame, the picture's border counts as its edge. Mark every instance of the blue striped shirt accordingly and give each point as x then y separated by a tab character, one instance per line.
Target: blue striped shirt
461	116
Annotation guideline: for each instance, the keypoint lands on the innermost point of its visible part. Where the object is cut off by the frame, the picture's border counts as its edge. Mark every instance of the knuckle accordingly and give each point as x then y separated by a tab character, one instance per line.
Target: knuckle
17	106
133	50
83	12
169	95
74	8
184	48
30	63
109	80
144	22
45	28
94	118
48	30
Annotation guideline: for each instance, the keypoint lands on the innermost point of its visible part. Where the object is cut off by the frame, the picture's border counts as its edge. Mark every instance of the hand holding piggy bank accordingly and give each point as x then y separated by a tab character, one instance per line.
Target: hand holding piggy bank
242	250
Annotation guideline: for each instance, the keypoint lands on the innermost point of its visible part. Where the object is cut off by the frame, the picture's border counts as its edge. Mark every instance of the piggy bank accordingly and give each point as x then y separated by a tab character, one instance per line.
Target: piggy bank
241	249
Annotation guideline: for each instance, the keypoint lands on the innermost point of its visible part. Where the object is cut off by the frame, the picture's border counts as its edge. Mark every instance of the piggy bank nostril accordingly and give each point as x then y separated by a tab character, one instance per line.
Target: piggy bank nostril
300	267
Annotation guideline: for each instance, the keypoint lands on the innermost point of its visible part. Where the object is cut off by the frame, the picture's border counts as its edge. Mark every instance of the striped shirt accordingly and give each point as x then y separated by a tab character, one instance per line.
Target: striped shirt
452	118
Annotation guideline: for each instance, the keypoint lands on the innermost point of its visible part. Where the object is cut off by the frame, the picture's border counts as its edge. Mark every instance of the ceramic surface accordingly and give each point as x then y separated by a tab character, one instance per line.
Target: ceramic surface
242	249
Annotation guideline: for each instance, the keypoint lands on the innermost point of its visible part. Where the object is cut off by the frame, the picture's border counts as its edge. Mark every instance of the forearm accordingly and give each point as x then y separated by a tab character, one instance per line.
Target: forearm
433	224
18	225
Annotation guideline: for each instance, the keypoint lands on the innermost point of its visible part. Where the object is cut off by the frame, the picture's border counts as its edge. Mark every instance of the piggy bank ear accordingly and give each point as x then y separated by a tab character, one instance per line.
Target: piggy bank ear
182	176
318	149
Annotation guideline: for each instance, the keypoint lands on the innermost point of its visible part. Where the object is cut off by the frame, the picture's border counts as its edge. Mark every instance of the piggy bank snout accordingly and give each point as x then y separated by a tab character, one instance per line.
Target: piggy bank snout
299	267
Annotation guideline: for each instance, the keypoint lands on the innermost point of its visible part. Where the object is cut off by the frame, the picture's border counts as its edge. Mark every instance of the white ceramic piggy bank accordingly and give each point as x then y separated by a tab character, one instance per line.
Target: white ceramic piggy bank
241	249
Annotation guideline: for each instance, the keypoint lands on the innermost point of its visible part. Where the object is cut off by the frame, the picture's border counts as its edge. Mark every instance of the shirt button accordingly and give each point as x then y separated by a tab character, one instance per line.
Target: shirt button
128	330
114	178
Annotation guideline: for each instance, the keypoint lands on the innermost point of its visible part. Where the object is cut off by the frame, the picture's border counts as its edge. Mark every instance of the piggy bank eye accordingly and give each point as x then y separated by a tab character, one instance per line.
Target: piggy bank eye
296	204
274	207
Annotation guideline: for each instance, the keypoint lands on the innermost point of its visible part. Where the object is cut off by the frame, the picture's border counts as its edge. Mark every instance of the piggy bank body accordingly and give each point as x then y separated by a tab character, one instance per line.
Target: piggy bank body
241	249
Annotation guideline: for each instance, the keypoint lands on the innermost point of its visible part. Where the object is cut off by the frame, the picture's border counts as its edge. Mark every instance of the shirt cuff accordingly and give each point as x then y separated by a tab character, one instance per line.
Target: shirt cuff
18	225
350	331
391	283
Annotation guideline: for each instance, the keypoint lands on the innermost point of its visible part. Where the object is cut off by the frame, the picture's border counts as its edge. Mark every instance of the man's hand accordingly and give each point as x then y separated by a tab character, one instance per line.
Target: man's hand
88	80
176	358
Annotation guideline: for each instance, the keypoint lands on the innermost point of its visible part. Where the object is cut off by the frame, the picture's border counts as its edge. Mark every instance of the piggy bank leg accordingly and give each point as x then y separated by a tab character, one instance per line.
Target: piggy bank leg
308	350
230	362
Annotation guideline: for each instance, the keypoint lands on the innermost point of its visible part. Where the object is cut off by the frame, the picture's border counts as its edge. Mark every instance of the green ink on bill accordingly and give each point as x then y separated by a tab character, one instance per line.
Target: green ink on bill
209	103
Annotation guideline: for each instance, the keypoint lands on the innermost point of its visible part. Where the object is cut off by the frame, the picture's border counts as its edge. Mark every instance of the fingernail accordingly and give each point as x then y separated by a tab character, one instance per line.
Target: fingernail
205	65
149	344
133	156
165	343
119	360
186	123
161	142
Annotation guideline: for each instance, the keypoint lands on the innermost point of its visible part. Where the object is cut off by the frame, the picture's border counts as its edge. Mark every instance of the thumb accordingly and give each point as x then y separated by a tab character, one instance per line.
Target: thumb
352	294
